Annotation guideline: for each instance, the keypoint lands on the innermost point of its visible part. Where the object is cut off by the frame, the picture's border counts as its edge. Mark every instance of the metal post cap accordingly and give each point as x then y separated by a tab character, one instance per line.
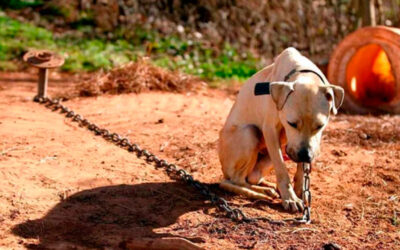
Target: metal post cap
44	59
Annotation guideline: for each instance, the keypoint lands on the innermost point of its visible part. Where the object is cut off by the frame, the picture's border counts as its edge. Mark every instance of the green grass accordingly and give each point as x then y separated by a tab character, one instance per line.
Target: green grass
84	53
15	38
81	54
19	4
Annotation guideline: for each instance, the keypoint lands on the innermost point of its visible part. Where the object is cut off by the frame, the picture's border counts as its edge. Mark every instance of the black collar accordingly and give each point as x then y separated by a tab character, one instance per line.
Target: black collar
262	88
293	71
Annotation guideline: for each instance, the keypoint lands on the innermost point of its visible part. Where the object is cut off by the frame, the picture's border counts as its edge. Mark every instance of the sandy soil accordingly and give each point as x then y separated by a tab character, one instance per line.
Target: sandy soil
62	187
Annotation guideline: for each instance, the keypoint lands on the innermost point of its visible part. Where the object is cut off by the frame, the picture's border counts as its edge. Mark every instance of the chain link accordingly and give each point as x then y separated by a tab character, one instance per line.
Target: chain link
306	195
175	173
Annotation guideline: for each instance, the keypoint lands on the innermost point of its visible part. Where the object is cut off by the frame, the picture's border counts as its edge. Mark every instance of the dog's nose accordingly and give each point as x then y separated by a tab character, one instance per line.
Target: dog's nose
305	155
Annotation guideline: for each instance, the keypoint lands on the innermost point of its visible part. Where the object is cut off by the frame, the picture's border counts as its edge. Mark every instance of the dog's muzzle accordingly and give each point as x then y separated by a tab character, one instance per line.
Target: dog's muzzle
305	155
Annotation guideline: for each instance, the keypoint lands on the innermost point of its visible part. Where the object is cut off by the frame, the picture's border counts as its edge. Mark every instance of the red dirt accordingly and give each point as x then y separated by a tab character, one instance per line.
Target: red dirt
62	187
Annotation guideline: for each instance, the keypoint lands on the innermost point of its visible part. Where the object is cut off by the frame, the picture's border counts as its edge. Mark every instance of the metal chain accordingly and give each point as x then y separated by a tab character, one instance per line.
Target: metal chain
306	196
176	173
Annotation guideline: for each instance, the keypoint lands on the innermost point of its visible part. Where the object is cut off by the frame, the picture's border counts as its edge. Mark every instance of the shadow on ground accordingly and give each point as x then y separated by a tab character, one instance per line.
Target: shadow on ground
106	216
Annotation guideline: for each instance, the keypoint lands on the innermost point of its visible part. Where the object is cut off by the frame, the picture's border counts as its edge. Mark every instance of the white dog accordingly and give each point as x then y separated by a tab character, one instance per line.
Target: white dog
281	109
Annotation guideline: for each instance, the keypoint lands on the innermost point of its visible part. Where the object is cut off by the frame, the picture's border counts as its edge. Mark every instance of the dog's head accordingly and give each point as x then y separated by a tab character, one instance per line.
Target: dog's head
304	110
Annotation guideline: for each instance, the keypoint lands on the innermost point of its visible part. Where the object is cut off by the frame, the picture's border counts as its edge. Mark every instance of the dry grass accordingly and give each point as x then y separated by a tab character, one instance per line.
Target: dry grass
136	77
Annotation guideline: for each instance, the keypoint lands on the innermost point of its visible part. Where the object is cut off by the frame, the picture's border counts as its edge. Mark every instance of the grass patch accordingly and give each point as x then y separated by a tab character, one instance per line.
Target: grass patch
15	38
85	53
81	54
20	4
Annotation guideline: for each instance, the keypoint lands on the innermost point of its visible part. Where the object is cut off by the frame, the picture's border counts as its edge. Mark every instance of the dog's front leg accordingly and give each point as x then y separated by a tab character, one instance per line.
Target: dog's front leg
289	199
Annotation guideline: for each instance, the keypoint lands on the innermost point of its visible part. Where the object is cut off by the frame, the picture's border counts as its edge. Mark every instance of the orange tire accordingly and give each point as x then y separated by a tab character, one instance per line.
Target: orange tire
367	65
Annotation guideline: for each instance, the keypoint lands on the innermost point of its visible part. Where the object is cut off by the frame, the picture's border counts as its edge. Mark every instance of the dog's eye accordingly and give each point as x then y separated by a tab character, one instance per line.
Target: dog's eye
292	124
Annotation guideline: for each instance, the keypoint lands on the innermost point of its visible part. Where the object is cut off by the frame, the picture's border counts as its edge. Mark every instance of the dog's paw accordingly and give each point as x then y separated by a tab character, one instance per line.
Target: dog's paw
290	201
293	204
269	191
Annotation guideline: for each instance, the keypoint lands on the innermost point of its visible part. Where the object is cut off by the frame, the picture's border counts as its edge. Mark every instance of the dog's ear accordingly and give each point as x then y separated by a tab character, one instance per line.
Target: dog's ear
280	92
334	94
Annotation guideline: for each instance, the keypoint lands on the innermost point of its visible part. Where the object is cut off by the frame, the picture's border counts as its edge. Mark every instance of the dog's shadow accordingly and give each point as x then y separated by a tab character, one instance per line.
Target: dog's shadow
105	216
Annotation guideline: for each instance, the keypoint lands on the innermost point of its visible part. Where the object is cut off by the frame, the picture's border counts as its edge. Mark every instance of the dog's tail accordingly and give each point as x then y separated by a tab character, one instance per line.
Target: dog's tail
246	191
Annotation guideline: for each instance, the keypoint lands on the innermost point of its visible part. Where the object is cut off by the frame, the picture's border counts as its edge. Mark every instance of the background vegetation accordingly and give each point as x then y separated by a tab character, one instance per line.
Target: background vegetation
211	39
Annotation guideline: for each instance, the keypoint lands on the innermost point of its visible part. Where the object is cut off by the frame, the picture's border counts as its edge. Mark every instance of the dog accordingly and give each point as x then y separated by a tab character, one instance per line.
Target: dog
282	109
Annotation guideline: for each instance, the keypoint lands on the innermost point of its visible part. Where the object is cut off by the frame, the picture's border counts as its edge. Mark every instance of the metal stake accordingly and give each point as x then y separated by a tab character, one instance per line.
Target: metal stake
42	83
44	60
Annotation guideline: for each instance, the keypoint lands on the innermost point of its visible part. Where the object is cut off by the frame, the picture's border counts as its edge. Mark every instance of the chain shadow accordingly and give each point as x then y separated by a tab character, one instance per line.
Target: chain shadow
106	216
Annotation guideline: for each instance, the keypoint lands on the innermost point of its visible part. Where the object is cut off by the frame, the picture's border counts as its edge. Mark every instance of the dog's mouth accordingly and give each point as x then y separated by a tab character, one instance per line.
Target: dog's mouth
289	155
301	156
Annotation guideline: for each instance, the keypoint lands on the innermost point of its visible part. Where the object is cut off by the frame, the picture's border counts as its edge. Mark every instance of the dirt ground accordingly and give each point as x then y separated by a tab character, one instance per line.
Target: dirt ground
64	188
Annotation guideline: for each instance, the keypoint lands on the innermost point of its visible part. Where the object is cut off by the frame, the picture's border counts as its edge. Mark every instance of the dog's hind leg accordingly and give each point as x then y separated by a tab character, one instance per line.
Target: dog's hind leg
246	190
238	151
262	168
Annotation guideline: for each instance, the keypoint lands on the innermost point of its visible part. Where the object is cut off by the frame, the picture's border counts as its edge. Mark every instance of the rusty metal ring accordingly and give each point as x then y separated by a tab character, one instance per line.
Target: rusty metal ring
115	137
55	101
156	159
150	158
124	142
130	148
70	114
226	208
146	153
105	132
239	213
163	163
172	167
307	196
97	130
85	122
91	126
181	173
190	179
77	118
222	201
57	106
39	99
137	148
64	109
